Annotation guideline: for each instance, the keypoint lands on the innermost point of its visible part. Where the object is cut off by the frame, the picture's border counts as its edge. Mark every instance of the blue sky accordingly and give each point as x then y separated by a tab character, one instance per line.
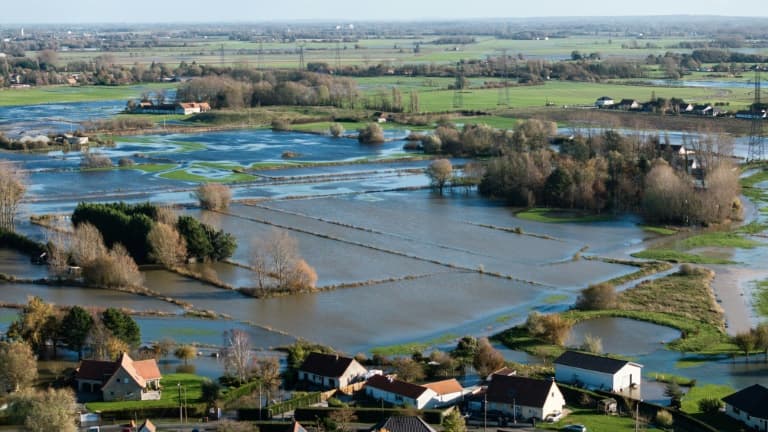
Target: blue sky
75	11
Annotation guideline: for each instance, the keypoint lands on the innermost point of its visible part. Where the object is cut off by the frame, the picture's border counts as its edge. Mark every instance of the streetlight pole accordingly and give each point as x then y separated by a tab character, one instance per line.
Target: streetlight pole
181	413
485	411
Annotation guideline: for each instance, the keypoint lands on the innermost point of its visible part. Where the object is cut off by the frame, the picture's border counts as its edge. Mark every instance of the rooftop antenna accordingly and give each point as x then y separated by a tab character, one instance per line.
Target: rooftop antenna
458	86
756	150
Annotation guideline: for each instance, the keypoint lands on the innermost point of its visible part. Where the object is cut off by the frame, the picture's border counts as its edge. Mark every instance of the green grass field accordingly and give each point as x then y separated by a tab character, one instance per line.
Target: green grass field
717	420
169	398
761	298
58	94
676	256
593	421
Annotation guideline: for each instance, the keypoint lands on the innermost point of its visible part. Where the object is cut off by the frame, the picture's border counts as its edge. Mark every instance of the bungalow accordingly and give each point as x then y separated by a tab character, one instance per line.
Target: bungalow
604	102
750	406
447	392
187	108
627	105
331	370
703	110
524	398
125	379
598	372
402	424
396	392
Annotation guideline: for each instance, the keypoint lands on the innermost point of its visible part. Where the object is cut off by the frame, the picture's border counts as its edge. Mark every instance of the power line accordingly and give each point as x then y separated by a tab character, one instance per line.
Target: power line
756	150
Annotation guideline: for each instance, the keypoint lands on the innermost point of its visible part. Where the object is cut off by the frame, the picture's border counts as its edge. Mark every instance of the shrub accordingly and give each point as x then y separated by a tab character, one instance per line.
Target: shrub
281	125
126	162
371	134
597	297
664	418
95	160
336	130
213	196
710	405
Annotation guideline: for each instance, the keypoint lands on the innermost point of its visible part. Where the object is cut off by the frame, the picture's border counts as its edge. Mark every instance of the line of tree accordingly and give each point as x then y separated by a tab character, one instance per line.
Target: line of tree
134	226
106	334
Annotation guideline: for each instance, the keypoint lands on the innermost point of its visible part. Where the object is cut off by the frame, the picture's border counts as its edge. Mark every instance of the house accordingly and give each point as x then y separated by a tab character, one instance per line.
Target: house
627	105
524	398
331	370
448	392
604	102
598	372
125	379
684	108
402	424
147	426
703	110
750	406
187	108
396	392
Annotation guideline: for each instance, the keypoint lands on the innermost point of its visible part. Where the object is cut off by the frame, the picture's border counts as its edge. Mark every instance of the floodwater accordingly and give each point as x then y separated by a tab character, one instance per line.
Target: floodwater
19	265
623	336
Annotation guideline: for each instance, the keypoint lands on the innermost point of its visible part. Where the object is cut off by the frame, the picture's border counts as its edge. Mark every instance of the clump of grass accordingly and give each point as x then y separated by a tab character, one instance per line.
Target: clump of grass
658	230
558	216
761	298
719	239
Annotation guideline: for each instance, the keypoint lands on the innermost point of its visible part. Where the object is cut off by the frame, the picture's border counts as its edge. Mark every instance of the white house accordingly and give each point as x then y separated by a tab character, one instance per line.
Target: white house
524	398
598	372
396	392
749	406
331	370
604	102
447	392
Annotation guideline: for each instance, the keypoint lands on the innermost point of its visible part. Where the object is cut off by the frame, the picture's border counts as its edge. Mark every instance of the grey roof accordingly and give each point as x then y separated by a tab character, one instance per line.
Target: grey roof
591	362
519	390
403	424
327	365
753	400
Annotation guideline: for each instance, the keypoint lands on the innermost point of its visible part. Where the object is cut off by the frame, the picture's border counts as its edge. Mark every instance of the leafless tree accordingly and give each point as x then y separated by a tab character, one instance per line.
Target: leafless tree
487	358
12	189
267	370
277	258
53	409
439	172
168	247
597	297
167	215
87	244
237	354
116	269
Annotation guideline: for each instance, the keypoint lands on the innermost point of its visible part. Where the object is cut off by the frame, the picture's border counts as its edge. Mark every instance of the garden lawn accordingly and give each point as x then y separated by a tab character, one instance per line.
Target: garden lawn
593	421
170	395
717	419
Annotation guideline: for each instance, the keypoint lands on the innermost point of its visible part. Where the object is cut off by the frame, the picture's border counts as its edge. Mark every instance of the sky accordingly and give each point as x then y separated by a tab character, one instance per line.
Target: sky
141	11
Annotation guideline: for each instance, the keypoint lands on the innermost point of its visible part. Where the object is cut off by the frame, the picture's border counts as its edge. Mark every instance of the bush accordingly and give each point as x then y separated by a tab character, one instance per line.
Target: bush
710	405
371	134
126	162
213	196
336	130
597	297
664	419
95	160
281	125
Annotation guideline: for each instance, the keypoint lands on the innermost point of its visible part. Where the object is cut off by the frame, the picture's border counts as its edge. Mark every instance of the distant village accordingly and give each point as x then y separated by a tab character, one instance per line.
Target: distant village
676	106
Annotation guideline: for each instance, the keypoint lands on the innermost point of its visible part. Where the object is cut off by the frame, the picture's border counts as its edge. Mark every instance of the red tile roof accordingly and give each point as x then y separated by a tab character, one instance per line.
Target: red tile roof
395	386
445	387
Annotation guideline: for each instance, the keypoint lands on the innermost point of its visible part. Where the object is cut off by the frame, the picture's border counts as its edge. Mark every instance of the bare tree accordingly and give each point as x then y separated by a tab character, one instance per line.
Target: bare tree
487	358
213	196
592	344
439	172
12	189
267	370
343	417
87	244
167	215
597	297
277	258
116	269
237	354
185	353
169	248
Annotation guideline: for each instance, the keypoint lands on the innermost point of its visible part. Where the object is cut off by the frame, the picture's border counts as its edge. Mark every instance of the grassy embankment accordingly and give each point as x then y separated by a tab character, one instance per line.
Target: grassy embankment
548	215
169	398
679	251
681	301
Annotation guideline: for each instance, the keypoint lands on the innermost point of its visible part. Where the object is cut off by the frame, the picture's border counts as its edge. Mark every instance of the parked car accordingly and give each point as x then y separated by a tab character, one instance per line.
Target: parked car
575	428
556	416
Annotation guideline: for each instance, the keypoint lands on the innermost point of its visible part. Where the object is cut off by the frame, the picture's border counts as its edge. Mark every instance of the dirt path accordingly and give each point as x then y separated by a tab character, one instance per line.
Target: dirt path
733	288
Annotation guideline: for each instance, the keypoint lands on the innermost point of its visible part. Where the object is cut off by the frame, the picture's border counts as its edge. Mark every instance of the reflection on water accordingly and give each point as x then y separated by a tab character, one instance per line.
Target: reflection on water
623	336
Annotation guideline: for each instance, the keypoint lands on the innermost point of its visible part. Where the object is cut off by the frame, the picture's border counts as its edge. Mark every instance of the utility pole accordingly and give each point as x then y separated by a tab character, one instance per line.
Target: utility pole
485	411
181	413
756	139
